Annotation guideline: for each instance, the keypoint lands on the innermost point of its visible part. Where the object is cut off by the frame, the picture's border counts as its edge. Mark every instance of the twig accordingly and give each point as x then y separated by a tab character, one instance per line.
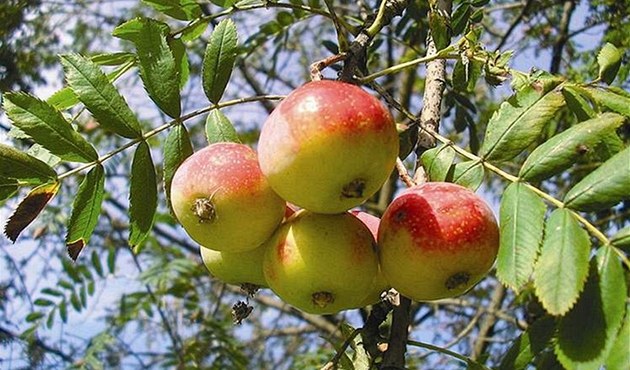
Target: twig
403	174
317	67
332	364
561	40
394	357
487	324
514	24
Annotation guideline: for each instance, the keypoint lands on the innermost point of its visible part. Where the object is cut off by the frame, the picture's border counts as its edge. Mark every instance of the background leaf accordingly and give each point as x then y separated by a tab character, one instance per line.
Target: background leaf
86	210
529	344
219	128
158	68
519	122
15	164
100	97
604	187
142	195
218	60
177	148
179	9
29	208
522	216
621	238
609	60
563	150
47	126
562	267
437	162
8	187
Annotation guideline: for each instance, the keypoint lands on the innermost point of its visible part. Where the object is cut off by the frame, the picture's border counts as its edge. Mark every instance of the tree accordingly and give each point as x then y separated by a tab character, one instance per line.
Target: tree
551	151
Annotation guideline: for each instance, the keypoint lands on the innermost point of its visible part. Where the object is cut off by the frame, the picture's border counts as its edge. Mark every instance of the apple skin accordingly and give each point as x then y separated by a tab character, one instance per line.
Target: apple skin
236	268
223	201
328	146
437	240
380	283
321	264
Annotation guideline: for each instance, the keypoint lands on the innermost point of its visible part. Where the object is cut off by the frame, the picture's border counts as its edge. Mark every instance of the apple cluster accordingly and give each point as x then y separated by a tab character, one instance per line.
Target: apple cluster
282	217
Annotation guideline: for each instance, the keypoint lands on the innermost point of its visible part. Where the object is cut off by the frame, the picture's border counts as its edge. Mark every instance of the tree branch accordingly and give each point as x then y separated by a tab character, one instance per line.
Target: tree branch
394	357
563	36
487	324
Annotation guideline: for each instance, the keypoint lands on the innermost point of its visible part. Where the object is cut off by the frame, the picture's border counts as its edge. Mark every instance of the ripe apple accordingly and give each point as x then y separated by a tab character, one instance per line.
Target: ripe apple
321	263
328	146
237	268
222	199
437	240
379	284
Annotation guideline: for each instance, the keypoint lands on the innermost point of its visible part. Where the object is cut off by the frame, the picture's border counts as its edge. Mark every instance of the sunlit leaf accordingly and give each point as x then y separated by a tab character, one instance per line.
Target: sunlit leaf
100	97
194	31
437	162
181	60
520	121
15	164
219	128
610	99
47	127
29	209
142	195
604	187
522	216
562	267
577	103
177	148
468	174
113	59
562	151
179	9
218	60
609	60
85	211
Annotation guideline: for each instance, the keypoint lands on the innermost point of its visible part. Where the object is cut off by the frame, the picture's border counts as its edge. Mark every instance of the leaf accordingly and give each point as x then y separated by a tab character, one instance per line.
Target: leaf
223	3
29	209
63	99
577	103
609	60
177	148
604	187
465	75
100	97
42	302
195	30
562	151
34	316
8	187
529	344
179	9
63	311
96	262
619	357
181	60
562	267
142	195
519	122
158	68
86	209
468	174
621	238
522	216
588	332
15	164
113	59
460	18
218	60
440	29
610	99
437	161
47	127
219	128
131	29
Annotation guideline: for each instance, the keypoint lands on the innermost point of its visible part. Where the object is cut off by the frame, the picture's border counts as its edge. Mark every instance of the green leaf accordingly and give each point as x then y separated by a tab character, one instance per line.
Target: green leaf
619	357
218	60
563	150
86	209
142	195
519	121
195	30
604	187
219	128
562	267
465	74
177	148
522	216
577	103
609	99
100	97
440	29
96	262
52	292
131	29
18	165
63	99
437	162
609	60
588	332
113	59
63	311
75	302
529	344
181	60
47	127
8	187
158	68
29	208
179	9
621	238
34	316
460	18
43	302
468	174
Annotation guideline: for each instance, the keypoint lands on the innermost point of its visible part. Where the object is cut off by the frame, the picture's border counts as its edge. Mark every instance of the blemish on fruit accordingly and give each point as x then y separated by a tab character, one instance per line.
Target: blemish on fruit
353	189
322	299
400	215
204	210
456	280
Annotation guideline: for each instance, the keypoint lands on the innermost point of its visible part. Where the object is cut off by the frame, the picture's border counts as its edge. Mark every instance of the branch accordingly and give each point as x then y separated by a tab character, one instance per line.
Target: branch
563	36
514	24
487	324
394	357
39	343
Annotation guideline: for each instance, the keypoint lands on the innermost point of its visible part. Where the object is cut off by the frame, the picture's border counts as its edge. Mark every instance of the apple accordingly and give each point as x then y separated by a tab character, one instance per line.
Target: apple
223	201
437	240
237	268
379	284
320	263
328	146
